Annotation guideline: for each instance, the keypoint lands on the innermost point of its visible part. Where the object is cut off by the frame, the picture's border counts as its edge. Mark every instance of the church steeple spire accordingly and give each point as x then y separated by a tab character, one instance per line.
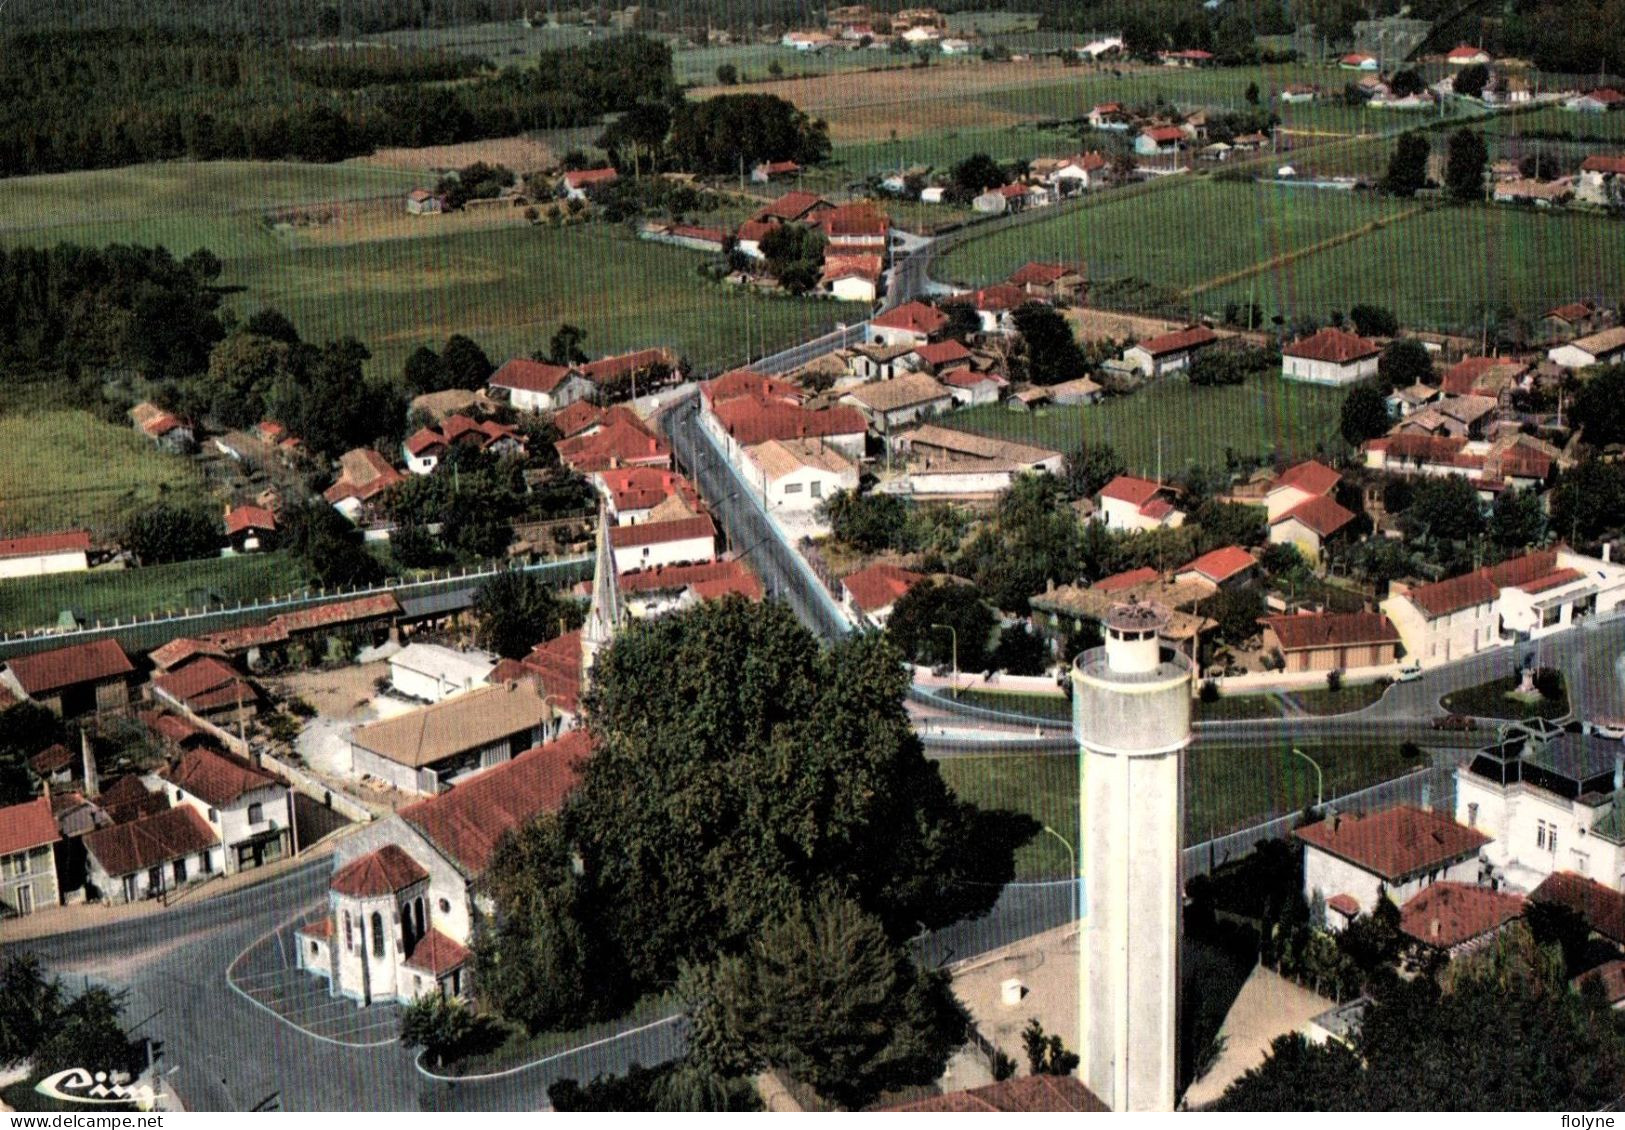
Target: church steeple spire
605	614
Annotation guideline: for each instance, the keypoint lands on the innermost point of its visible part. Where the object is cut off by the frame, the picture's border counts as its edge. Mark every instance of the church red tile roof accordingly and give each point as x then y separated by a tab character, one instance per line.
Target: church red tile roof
378	873
1396	843
436	953
466	822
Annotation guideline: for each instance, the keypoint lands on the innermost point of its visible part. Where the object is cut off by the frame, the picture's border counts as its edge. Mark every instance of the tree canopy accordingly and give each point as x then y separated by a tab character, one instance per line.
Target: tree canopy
163	531
1404	362
1047	352
1407	167
1364	414
1464	165
730	131
913	629
515	611
1599	407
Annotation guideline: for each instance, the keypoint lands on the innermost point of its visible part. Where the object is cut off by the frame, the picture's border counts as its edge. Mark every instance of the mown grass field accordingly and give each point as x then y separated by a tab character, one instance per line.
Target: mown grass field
120	594
1226	787
64	468
1188	426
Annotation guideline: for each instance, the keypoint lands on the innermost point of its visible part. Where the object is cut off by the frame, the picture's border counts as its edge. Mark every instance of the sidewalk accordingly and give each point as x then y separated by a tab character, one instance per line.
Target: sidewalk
90	916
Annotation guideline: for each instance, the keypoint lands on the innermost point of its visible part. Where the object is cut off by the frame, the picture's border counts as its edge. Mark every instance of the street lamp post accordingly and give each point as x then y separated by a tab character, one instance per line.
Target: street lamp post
1072	858
1320	792
955	634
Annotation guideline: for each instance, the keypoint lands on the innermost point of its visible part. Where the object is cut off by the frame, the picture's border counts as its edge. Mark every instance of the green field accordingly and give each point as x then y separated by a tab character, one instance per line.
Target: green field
65	468
120	594
1226	788
1193	426
1184	235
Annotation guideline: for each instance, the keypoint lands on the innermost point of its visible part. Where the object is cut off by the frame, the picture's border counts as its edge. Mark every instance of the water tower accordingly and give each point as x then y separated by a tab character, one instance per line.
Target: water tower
1131	711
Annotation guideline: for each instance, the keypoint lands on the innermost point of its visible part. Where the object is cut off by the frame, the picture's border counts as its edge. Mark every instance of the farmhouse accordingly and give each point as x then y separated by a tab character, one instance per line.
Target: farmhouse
28	837
1600	101
165	429
70	681
792	208
871	592
432	673
854	228
1060	283
1399	851
1577	319
429	750
1170	352
65	552
938	355
1310	525
1605	348
1128	503
995	306
969	387
1465	55
913	323
1332	641
1458	918
535	386
648	545
250	528
1601	181
422	202
903	400
1159	141
1080	173
851	278
1330	356
745	422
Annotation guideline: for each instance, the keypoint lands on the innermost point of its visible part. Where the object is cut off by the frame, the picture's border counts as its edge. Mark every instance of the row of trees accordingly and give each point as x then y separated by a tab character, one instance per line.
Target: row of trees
1465	159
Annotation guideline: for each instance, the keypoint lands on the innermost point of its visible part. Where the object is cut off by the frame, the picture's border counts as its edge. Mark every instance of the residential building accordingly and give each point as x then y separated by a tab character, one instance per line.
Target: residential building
151	856
852	278
28	838
854	229
620	439
1080	173
1577	319
633	494
1330	356
913	323
1604	348
41	554
1332	641
1518	460
1081	390
970	387
1310	525
582	184
1601	181
405	890
647	593
428	750
1227	567
938	356
75	680
878	361
1465	55
648	545
891	405
1358	61
798	475
1160	141
1600	101
165	429
422	202
248	810
870	593
793	208
764	171
1129	503
1457	918
536	386
1170	352
947	462
1405	402
745	422
1397	851
1297	485
1540	193
1480	377
1551	802
364	476
433	673
250	529
1602	907
208	688
996	305
1525	598
746	382
1059	283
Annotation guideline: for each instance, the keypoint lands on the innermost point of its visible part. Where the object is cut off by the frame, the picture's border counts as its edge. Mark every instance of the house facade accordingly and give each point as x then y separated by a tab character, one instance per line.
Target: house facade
1330	357
66	552
1170	352
70	681
1398	851
535	386
28	838
1129	503
151	856
1332	641
249	812
429	750
649	545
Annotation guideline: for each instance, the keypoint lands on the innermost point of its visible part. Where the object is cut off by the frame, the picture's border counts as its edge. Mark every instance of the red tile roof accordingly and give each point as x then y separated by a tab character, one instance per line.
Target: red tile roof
69	541
1578	311
529	376
999	296
1045	274
47	671
205	684
1448	914
1345	904
916	317
1127	488
1596	163
1310	476
363	474
746	382
1088	162
1221	564
1024	1094
792	206
1319	514
52	759
941	352
1602	907
968	378
878	586
27	825
1465	51
173	728
658	533
584	178
837	266
150	841
1193	337
858	219
321	928
1396	843
621	364
373	607
619	442
378	873
435	953
1126	580
555	666
241	519
707	579
1532	572
466	822
576	418
218	779
1160	134
751	421
423	440
1611	975
1331	344
754	231
643	488
1158	508
1332	629
1607	95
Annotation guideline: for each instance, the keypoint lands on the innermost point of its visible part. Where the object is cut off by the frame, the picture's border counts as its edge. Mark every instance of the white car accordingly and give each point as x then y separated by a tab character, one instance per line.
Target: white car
1613	728
1409	674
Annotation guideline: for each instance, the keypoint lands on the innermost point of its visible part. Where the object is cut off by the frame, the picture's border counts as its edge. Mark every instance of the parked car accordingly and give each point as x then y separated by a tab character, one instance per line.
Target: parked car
1609	728
1454	722
1409	674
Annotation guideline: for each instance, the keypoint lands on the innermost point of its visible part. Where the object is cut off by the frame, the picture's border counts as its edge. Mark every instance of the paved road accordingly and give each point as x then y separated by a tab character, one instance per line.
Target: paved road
787	360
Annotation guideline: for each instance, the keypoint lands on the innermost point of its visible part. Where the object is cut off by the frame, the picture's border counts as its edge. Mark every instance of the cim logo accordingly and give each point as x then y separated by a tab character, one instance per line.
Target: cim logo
78	1085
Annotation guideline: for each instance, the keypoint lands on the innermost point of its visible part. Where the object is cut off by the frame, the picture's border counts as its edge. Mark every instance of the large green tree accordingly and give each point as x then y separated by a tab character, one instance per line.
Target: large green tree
868	523
163	531
913	628
1464	165
1408	166
825	994
1364	414
794	254
1588	502
1047	351
731	132
1034	538
1445	507
1404	362
515	610
1599	407
328	547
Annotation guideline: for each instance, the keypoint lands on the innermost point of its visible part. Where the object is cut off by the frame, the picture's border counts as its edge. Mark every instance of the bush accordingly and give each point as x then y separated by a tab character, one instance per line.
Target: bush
1334	680
1209	691
301	708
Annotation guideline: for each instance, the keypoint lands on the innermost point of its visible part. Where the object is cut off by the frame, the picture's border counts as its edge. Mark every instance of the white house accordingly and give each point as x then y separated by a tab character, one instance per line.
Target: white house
147	857
969	387
852	278
871	592
1599	101
1129	503
1604	348
1397	851
581	183
535	386
1330	357
1080	173
249	810
426	751
903	400
1601	181
28	875
430	672
66	552
1550	802
798	474
649	545
1170	352
912	323
1465	55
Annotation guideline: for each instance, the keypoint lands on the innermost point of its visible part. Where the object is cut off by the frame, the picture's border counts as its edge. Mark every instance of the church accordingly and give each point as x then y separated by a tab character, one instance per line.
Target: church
405	892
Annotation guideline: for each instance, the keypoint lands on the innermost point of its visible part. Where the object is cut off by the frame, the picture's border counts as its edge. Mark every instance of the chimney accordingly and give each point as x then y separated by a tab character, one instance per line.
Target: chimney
1434	930
93	784
1427	797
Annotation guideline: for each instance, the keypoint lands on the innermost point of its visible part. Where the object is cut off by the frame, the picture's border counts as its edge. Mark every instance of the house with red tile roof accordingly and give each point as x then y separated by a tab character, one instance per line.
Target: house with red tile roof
851	277
1225	567
1465	55
1310	525
28	876
1332	641
745	422
1523	598
870	593
401	901
912	323
747	382
153	855
793	208
1491	377
536	386
1160	141
995	304
622	441
1458	918
1053	282
939	355
35	556
1602	100
1169	352
250	528
1601	183
1516	459
1298	484
1609	978
649	545
580	184
1397	851
1330	356
74	680
764	171
165	429
632	493
855	227
647	593
364	476
1128	579
1602	907
249	809
969	386
208	688
580	418
1130	503
1605	347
